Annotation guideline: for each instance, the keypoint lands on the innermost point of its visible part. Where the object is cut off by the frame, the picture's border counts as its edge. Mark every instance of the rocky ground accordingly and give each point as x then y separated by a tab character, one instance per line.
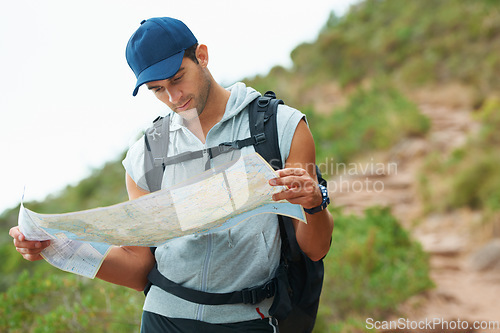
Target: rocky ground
464	266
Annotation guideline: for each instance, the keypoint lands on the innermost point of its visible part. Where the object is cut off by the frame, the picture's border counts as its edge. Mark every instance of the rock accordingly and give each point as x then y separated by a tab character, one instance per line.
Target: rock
487	258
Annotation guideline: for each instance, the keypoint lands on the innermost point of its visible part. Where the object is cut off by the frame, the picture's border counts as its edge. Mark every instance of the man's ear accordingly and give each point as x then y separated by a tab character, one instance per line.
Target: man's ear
202	55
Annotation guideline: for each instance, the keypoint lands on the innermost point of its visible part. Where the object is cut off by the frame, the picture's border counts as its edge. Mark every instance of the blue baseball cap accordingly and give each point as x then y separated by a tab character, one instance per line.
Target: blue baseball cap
155	50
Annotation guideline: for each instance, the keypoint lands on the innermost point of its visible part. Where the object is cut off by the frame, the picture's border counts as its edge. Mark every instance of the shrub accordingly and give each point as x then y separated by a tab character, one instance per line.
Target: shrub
62	302
372	267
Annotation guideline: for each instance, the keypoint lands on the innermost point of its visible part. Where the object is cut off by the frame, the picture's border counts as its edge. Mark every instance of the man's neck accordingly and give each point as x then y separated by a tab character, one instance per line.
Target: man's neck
212	113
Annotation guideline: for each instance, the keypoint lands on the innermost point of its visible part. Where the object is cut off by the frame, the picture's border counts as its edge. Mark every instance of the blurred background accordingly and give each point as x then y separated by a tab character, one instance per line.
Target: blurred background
402	98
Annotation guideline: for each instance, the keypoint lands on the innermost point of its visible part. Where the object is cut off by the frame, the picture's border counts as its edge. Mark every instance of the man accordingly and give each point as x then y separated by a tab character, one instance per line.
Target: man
166	58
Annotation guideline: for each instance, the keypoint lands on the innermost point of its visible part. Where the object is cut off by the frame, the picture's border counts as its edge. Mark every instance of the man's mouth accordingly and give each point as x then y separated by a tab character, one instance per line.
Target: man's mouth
184	106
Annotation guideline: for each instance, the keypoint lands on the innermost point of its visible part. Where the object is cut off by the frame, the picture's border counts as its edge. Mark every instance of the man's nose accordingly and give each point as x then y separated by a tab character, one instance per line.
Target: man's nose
174	95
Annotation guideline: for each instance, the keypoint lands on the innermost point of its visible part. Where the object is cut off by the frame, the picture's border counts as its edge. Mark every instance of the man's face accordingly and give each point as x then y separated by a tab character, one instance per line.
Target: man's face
186	92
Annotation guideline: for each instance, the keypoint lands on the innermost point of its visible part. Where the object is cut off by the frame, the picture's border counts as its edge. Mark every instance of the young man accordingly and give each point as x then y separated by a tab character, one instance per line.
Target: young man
166	58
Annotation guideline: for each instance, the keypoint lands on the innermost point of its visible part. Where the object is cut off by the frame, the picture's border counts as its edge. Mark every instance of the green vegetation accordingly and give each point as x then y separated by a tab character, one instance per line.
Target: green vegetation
373	267
62	302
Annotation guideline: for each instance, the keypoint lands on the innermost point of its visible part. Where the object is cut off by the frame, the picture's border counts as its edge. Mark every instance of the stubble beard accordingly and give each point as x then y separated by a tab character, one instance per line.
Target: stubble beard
204	94
200	101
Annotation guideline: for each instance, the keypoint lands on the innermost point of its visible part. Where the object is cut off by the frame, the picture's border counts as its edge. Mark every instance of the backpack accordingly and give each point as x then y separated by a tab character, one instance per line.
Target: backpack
297	284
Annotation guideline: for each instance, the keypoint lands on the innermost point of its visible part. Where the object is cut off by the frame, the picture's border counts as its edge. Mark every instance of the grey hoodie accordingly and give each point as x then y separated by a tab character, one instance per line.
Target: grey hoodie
244	256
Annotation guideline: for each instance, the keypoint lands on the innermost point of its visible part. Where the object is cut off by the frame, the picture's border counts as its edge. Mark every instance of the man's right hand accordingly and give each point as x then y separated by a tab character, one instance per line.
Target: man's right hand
30	250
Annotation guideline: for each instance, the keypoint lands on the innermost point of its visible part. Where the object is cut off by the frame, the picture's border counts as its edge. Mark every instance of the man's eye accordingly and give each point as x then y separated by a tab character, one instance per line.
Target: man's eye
178	78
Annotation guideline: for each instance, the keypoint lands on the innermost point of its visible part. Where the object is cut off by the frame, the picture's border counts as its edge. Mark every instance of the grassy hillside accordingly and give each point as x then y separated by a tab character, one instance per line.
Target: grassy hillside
414	43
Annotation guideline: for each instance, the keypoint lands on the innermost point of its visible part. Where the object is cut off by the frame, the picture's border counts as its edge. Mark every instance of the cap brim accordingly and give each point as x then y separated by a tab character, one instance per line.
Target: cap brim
162	70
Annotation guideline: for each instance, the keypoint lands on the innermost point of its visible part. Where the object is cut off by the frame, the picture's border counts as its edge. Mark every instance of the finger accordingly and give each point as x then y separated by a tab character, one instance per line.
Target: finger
287	181
288	194
32	257
307	185
31	244
15	233
31	254
306	199
24	250
291	172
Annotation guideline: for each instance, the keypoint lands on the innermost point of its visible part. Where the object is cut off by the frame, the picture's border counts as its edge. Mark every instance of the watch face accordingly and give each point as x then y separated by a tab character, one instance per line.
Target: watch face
324	192
324	203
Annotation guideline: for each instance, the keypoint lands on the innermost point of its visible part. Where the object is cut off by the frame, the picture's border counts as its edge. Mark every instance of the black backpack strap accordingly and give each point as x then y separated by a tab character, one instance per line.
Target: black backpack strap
263	125
156	139
252	295
263	119
299	279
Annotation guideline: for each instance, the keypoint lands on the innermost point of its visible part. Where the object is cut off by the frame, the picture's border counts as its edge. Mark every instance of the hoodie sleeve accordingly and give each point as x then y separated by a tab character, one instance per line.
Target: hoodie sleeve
288	119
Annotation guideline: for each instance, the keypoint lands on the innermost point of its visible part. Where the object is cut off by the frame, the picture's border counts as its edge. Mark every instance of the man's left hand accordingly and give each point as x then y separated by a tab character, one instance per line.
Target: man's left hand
301	189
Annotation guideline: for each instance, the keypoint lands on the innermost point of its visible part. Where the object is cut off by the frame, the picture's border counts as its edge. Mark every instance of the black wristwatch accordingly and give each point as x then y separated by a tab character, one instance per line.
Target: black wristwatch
324	203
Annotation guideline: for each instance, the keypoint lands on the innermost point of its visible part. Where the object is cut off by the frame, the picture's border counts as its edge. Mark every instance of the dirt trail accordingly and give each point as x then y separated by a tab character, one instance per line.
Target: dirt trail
461	292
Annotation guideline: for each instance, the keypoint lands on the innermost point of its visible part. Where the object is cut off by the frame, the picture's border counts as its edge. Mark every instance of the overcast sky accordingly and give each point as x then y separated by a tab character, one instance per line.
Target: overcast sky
66	101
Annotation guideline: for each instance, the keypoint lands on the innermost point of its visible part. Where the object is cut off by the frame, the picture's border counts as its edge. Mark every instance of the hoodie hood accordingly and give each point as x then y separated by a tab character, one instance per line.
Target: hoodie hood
241	96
